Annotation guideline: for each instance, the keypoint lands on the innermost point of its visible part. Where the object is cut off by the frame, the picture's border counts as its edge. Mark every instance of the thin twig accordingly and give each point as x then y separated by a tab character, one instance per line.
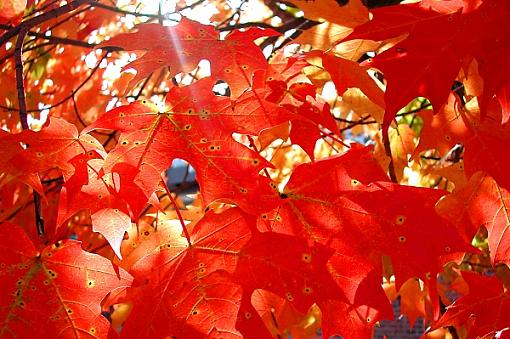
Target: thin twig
67	41
423	106
142	87
67	97
66	19
22	31
333	137
111	136
137	14
80	119
18	53
191	6
353	123
77	113
247	25
54	13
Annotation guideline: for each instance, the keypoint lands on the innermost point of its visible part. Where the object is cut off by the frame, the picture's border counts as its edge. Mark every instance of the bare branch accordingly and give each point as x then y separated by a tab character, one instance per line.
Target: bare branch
54	13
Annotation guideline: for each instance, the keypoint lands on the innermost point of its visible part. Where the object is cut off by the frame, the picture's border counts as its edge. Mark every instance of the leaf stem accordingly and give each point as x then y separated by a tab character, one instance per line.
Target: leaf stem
387	148
179	215
252	144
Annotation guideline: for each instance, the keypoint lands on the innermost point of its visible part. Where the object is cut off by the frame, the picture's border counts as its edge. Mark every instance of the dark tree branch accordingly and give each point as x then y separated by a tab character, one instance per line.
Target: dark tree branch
191	6
423	106
22	31
58	40
70	16
54	13
137	14
40	9
352	123
247	25
18	53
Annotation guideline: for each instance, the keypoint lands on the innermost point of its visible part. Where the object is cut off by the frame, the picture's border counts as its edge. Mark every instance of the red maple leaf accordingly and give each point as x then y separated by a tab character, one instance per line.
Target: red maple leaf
263	247
484	140
347	74
181	47
298	270
334	207
197	127
186	289
484	310
314	191
268	315
52	147
483	202
434	63
86	189
366	301
56	290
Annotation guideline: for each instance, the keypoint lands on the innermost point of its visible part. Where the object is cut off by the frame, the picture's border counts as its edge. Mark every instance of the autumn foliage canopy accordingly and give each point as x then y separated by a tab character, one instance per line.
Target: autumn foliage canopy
346	166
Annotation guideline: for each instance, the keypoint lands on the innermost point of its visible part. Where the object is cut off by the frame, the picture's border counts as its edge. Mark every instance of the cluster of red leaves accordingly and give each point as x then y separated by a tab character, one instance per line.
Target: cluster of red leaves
264	257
